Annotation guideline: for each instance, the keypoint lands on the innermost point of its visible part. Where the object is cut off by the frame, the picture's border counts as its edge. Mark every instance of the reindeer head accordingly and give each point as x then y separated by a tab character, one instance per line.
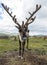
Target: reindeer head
23	29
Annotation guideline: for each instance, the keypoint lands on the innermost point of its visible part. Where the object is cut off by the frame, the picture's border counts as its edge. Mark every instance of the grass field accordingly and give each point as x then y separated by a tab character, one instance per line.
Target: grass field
35	44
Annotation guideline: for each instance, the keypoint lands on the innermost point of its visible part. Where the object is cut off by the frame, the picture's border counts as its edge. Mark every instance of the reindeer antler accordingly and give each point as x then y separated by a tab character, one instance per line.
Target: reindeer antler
13	17
30	18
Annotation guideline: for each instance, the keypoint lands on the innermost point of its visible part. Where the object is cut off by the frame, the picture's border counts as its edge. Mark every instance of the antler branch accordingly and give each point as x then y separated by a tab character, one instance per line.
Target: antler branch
32	20
16	26
37	8
13	17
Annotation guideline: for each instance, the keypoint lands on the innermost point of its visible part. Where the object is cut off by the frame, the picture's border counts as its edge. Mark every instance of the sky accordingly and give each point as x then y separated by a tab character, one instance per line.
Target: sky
21	8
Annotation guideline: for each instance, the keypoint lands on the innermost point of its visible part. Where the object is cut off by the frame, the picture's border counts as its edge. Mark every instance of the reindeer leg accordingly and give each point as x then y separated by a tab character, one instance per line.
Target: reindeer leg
22	49
19	48
27	43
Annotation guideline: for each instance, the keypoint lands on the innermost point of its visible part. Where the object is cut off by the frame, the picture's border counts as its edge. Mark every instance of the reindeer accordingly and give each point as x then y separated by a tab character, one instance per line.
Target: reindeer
23	29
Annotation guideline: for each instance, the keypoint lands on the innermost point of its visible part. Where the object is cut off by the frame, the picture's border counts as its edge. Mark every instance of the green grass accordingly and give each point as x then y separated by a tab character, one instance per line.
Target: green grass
34	43
8	45
38	44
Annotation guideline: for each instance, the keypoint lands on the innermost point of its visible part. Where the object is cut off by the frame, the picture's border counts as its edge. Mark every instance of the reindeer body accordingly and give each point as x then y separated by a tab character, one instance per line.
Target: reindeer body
23	29
22	39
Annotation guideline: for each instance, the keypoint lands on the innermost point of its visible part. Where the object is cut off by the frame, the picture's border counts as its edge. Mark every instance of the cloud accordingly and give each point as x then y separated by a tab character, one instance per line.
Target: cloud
32	33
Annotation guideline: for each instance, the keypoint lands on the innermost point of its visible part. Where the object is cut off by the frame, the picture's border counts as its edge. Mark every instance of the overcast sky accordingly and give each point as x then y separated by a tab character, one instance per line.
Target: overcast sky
21	9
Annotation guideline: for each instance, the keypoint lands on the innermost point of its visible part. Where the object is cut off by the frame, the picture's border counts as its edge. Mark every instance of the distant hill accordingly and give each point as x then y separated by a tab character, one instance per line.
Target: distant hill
7	34
3	34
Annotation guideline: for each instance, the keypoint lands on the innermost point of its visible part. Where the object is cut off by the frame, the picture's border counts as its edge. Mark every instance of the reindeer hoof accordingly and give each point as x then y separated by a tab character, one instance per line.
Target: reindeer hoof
22	58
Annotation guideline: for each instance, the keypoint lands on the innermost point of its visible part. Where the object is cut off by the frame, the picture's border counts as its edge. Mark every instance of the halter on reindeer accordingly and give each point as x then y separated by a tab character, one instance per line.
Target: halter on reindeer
23	29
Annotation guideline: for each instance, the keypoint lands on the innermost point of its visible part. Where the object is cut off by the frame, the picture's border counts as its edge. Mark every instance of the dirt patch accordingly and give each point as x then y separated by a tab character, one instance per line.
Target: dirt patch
11	58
